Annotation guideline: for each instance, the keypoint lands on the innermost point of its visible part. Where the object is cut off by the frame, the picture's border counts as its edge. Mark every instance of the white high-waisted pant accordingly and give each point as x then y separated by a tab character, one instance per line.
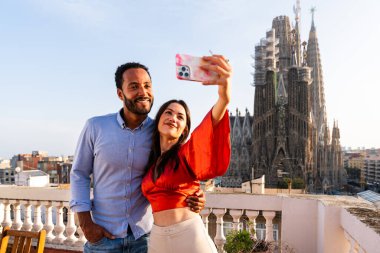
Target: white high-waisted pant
189	236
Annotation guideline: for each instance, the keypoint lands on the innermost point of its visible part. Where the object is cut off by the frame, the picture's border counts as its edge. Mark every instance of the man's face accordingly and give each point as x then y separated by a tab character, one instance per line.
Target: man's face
136	92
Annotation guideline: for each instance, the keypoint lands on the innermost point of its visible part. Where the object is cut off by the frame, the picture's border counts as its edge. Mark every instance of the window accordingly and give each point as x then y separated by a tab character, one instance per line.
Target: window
227	227
261	231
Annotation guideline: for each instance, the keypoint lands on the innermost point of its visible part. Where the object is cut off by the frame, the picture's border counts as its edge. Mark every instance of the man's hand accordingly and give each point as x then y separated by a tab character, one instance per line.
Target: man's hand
92	231
197	201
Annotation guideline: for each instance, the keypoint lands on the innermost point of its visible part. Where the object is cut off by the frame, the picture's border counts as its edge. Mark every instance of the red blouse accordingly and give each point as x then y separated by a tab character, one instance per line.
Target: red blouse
205	155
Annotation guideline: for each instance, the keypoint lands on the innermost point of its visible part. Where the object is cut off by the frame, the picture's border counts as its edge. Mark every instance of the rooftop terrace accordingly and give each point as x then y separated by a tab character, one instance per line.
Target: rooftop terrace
307	223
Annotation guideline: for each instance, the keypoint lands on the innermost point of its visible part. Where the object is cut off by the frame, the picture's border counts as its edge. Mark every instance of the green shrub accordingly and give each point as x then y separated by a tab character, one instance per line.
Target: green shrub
298	183
239	242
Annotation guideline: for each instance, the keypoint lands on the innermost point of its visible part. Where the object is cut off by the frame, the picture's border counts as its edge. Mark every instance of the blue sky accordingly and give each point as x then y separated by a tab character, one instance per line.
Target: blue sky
58	58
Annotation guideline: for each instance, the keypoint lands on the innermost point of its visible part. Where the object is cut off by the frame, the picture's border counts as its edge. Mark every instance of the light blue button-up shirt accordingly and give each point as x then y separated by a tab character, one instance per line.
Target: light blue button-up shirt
116	157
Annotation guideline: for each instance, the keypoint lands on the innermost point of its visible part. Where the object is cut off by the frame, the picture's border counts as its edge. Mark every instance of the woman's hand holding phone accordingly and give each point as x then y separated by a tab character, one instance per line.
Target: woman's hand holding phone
210	70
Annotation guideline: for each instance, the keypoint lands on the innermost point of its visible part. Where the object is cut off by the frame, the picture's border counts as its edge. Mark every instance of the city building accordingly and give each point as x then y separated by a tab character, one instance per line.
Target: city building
28	161
354	164
367	161
6	172
372	169
291	135
57	167
34	178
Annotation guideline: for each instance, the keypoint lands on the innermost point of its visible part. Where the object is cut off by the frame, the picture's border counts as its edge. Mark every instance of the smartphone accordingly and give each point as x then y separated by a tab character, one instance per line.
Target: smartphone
188	68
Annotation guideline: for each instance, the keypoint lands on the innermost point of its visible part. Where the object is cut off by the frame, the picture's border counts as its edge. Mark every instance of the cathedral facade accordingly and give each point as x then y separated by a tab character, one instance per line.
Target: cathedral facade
240	169
290	133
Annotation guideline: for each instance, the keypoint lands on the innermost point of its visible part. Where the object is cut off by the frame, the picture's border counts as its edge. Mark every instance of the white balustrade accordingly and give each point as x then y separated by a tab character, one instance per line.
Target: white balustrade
7	221
70	229
59	227
219	239
204	214
28	224
37	225
269	225
81	240
71	235
236	214
36	209
49	226
252	215
17	222
1	212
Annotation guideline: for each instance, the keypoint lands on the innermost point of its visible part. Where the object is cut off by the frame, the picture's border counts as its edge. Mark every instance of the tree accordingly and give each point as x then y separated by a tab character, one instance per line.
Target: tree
298	183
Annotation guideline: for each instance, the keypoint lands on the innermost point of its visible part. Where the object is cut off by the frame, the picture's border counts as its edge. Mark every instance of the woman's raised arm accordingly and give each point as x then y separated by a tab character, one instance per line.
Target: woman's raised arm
220	65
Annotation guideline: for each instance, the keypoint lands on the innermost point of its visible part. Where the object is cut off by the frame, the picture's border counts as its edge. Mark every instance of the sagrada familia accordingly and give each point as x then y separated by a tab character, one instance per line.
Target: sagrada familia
288	134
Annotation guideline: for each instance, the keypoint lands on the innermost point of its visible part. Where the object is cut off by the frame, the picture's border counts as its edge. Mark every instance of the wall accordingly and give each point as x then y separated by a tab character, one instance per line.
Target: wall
299	223
330	233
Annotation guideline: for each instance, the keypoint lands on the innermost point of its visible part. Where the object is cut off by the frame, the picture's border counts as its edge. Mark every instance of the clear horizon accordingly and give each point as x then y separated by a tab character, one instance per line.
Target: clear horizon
58	60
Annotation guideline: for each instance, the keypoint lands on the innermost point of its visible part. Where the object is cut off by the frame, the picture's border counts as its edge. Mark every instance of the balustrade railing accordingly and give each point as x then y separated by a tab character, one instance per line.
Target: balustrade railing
33	209
275	218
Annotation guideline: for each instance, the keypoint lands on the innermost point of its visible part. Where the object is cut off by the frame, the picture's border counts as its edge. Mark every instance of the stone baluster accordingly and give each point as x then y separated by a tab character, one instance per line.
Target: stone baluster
17	222
81	240
70	229
28	224
252	215
59	227
236	214
219	239
1	212
37	225
268	215
204	214
7	221
48	226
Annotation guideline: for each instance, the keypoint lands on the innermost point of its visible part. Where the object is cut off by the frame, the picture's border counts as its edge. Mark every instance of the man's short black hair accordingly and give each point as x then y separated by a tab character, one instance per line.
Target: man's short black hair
122	68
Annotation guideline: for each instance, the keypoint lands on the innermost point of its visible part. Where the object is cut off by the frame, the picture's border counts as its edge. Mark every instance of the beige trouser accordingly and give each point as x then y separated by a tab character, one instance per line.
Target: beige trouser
189	236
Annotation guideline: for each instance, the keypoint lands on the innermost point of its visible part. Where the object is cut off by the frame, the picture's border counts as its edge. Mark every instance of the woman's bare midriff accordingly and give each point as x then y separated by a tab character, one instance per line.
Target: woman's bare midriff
172	216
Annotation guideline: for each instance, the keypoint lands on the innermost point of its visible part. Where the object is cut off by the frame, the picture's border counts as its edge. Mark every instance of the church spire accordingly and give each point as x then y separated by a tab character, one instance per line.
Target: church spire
297	34
317	86
312	10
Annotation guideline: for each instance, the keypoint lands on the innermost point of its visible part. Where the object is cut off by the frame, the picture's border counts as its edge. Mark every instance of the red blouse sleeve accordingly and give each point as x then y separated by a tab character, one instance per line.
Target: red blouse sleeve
208	150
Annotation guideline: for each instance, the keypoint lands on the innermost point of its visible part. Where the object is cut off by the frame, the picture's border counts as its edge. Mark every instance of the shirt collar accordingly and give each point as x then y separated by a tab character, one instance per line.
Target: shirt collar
122	124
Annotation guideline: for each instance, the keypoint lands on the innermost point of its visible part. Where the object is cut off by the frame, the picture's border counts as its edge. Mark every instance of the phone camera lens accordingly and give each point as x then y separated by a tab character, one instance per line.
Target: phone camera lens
186	74
183	69
180	73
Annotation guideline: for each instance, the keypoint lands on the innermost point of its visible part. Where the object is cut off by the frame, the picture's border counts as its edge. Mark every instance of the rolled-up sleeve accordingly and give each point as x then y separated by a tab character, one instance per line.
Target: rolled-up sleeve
82	169
208	150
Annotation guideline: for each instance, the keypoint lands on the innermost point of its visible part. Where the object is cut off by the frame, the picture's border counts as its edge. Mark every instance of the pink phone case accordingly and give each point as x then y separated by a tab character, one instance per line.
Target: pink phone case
188	68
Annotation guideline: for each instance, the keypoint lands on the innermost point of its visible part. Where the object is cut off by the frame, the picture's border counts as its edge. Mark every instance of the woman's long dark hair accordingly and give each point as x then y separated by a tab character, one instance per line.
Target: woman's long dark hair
172	154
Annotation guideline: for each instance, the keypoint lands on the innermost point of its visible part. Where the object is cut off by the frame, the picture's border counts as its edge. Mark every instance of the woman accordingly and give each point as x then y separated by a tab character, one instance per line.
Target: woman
175	167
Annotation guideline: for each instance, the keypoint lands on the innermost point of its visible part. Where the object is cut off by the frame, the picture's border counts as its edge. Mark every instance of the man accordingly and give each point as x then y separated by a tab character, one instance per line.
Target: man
114	149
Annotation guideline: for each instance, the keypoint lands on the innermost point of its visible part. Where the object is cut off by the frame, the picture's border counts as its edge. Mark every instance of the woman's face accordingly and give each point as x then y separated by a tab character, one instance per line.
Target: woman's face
172	122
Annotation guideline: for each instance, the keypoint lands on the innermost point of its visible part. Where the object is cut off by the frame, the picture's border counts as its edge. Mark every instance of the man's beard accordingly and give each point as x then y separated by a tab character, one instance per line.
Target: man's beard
132	107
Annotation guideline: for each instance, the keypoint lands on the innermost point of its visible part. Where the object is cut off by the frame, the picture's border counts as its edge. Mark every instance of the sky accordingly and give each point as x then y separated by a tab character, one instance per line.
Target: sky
58	59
